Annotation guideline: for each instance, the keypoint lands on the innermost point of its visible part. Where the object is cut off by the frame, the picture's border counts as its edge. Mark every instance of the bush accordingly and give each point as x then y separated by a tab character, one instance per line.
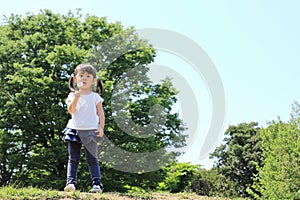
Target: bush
211	183
178	177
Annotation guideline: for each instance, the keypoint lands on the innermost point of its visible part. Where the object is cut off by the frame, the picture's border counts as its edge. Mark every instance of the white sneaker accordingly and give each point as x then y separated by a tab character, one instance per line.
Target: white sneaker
96	188
69	188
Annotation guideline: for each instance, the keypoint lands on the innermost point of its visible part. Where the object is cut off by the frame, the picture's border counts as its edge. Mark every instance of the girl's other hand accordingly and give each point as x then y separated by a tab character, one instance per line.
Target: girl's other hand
100	131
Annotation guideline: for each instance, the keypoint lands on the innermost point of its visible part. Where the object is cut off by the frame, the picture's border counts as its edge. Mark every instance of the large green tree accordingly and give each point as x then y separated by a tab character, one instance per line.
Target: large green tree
279	178
239	156
38	54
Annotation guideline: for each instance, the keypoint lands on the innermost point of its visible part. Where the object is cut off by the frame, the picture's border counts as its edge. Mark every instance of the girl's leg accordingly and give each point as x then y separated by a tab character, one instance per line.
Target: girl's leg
94	168
74	158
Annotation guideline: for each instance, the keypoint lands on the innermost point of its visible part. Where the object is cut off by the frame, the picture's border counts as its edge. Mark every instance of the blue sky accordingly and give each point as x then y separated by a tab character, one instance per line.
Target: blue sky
254	45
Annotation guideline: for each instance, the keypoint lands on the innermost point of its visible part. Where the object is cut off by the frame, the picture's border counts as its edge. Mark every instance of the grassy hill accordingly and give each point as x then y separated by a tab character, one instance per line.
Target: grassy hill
41	194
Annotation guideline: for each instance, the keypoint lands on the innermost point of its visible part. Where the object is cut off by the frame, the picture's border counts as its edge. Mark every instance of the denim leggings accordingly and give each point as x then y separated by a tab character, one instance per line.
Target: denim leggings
74	158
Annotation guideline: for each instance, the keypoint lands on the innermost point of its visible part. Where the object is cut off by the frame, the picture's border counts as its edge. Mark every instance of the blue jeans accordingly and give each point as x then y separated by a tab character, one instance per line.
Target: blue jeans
74	158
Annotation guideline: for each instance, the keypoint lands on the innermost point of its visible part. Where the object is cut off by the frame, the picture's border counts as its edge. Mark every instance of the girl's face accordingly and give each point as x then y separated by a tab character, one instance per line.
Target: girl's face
84	80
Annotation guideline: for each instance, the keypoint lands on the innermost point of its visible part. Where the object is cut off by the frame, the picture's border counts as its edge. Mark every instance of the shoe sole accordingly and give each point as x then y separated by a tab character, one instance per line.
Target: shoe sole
69	189
96	191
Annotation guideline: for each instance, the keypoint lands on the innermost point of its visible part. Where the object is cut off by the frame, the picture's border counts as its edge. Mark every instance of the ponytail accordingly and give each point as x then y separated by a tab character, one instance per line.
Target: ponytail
99	87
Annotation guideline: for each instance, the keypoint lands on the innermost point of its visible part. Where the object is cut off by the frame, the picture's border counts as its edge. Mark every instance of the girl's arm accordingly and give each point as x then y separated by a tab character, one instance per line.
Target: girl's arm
72	103
101	115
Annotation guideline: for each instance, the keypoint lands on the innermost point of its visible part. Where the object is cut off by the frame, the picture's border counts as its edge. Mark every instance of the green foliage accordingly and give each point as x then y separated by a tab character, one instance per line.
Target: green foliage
279	177
240	155
114	180
211	183
178	177
137	193
38	55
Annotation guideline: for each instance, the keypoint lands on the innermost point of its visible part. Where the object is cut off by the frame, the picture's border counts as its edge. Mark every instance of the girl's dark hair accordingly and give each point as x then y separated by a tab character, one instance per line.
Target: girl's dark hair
90	70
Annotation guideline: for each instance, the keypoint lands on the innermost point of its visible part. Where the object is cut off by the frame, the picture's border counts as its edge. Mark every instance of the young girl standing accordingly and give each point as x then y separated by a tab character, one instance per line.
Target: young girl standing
85	126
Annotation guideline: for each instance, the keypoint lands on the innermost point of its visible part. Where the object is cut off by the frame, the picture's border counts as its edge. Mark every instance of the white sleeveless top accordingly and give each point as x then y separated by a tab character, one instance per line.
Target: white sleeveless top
85	116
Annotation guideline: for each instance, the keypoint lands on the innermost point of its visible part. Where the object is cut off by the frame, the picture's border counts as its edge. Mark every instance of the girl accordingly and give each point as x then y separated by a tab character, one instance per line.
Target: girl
85	126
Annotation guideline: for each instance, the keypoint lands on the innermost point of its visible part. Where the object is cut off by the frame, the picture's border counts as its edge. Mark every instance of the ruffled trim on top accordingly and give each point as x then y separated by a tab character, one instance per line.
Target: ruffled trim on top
71	135
80	136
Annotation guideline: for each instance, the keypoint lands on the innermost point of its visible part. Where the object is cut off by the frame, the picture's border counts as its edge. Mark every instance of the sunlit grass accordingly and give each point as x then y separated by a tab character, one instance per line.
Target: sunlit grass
18	193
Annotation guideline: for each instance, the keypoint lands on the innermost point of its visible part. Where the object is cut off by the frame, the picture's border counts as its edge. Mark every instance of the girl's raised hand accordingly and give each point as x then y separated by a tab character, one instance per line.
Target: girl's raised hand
77	93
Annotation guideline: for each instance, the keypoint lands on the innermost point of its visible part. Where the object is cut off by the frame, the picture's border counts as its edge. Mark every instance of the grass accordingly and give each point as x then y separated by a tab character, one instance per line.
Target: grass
13	193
